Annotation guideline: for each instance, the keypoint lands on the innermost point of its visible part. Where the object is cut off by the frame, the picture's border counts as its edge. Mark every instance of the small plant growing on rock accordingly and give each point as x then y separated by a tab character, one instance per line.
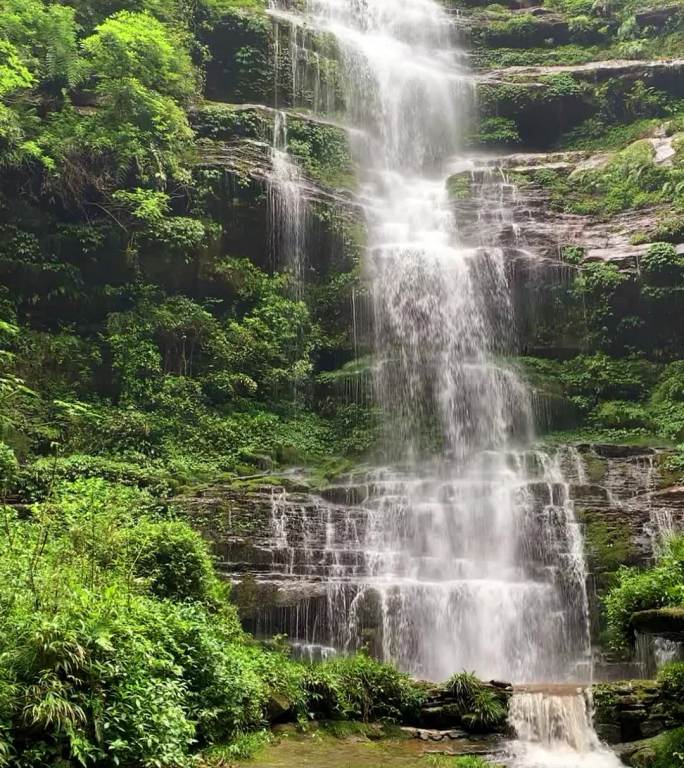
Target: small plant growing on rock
662	262
671	678
572	254
481	709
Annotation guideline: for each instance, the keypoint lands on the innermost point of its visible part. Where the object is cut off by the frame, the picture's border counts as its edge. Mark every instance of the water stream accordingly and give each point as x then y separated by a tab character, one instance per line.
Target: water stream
554	730
287	206
464	551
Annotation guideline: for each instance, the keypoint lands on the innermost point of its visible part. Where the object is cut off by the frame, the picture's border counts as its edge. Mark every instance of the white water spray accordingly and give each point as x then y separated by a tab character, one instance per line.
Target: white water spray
554	730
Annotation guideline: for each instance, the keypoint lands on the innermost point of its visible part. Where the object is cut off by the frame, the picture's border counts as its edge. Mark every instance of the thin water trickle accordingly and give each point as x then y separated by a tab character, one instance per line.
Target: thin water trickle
287	206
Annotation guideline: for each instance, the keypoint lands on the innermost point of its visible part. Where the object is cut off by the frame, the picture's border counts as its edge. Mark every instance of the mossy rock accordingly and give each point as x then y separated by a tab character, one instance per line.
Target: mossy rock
608	544
664	622
595	467
213	120
641	754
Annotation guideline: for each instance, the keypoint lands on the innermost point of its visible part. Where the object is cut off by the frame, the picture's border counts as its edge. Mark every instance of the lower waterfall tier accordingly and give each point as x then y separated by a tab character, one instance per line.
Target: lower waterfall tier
554	730
474	567
393	562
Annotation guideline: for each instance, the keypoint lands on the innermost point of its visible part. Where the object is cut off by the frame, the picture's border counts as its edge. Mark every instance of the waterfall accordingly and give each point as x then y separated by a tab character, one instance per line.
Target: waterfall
464	553
653	652
554	730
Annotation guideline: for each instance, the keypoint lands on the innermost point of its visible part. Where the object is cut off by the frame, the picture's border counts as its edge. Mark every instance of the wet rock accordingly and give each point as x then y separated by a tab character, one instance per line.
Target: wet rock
597	71
652	726
345	494
610	451
457	734
440	716
638	754
290	551
611	733
628	711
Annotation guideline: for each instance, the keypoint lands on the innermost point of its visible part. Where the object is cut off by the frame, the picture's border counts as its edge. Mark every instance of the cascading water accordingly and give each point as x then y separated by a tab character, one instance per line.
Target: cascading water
554	730
472	560
471	556
287	205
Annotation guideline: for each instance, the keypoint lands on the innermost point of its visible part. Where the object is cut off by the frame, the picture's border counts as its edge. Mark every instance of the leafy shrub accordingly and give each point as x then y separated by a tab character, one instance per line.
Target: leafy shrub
661	263
572	254
36	481
8	466
621	414
671	679
670	228
480	708
322	150
497	131
361	687
638	590
173	561
136	45
601	377
100	667
667	401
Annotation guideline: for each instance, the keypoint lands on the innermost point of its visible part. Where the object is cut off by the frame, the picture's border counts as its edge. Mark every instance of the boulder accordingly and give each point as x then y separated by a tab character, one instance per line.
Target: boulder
664	622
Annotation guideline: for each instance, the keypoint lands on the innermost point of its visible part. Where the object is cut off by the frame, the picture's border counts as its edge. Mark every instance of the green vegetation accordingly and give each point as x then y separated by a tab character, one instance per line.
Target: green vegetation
629	179
580	112
669	751
576	33
361	688
147	343
119	645
322	150
466	761
480	708
607	546
627	396
637	590
134	329
150	343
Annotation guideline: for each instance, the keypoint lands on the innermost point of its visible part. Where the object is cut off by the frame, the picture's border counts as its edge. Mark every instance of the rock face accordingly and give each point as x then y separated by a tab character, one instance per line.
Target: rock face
546	102
297	559
661	73
632	710
548	249
531	227
294	554
440	713
662	622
